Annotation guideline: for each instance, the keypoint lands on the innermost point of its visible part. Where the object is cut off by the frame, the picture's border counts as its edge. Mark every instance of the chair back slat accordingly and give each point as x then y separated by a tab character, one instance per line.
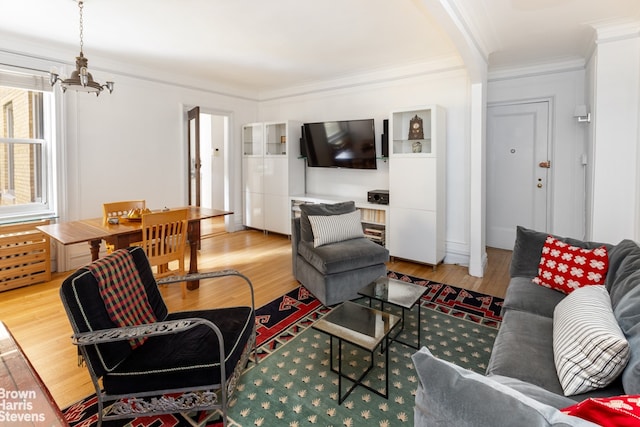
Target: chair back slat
164	237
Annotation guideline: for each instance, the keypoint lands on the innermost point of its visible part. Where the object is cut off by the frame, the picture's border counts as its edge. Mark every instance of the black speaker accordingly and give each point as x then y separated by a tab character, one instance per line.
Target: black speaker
385	138
303	143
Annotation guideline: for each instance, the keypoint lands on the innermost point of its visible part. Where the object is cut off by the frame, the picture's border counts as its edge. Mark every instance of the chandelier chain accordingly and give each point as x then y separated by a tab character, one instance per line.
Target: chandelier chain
80	6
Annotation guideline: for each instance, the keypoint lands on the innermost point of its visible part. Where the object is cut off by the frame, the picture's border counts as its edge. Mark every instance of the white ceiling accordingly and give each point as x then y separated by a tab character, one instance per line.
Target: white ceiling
274	44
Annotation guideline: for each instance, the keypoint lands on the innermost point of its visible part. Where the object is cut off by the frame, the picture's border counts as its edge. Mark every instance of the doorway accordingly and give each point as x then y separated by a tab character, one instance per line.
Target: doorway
207	143
518	162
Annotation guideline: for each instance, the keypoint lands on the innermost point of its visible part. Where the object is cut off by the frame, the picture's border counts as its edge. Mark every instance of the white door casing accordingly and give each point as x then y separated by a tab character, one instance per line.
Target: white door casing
518	165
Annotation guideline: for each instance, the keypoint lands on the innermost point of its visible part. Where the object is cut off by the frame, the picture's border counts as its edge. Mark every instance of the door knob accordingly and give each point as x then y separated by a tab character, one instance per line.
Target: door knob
545	165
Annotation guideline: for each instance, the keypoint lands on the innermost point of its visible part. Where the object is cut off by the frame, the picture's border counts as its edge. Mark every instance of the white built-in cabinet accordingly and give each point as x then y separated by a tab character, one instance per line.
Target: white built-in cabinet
417	186
272	170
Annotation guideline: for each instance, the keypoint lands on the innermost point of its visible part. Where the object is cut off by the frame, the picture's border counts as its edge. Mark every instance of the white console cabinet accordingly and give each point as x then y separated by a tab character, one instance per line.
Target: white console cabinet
417	186
272	170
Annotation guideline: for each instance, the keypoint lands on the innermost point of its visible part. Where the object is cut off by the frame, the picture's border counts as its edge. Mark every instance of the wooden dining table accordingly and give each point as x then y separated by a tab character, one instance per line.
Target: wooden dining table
127	232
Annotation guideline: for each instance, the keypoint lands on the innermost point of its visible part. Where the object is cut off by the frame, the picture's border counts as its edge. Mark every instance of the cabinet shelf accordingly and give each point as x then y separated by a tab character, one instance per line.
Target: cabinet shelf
412	146
400	125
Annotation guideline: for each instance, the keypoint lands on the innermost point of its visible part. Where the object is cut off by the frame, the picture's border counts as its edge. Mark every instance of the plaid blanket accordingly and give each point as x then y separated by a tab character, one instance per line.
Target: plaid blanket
122	291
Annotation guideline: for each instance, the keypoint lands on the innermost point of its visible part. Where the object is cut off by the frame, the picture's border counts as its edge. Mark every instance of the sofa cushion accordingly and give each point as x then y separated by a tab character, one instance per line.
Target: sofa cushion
524	295
612	411
343	256
565	267
624	262
528	248
306	233
590	350
157	365
523	349
627	313
449	395
335	228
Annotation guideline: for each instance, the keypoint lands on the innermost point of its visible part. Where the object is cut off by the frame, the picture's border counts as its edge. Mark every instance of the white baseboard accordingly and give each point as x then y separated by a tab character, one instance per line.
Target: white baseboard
457	253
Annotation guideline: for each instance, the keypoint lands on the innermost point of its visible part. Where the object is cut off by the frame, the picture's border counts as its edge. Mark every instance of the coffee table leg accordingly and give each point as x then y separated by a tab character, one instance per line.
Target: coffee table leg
358	381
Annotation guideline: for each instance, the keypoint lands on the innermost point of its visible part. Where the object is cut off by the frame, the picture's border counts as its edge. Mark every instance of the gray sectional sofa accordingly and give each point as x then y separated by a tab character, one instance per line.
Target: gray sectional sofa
521	381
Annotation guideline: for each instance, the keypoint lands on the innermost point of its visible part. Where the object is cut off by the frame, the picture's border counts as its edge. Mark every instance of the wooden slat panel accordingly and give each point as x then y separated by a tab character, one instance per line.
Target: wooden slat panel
24	255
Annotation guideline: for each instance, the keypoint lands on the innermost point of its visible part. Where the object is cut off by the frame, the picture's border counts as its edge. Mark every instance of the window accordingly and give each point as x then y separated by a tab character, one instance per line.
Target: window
26	148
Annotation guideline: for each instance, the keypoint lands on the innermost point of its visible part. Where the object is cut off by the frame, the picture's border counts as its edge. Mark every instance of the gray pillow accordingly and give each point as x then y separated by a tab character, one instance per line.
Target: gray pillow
535	392
528	249
449	395
306	233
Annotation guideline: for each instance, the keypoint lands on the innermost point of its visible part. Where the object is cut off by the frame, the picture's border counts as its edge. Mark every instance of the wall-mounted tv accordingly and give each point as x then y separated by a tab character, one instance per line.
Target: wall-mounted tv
341	144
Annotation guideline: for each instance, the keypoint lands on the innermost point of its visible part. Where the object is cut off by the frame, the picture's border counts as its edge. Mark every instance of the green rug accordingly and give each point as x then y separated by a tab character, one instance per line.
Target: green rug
294	385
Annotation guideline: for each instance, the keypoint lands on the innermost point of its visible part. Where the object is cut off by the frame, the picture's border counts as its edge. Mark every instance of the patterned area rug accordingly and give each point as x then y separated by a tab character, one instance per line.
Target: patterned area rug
293	384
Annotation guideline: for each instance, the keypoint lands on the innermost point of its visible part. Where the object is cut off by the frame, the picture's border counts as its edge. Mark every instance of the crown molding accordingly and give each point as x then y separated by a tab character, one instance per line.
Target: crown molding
534	70
380	76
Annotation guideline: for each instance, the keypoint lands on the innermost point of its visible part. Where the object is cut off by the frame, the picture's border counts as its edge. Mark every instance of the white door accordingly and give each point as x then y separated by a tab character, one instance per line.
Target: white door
517	170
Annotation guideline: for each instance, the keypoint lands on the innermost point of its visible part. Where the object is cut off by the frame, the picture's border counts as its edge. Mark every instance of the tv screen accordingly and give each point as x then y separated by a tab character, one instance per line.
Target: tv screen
341	144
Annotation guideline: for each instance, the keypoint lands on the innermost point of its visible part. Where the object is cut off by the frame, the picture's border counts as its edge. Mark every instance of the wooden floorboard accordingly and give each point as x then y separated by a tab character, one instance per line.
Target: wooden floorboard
38	321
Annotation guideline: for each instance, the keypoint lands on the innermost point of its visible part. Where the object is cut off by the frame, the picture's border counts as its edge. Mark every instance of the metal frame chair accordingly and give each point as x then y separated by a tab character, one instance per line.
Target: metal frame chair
152	377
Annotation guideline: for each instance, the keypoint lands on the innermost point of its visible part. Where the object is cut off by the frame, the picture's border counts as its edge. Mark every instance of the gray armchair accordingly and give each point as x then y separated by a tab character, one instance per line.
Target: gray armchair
334	271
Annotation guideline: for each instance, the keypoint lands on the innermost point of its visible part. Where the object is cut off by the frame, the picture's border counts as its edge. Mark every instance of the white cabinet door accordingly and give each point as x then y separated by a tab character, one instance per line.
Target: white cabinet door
276	176
252	174
412	235
254	210
277	214
412	183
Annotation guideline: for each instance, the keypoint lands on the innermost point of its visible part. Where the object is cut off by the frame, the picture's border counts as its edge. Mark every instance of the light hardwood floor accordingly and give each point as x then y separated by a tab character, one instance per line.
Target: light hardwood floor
37	319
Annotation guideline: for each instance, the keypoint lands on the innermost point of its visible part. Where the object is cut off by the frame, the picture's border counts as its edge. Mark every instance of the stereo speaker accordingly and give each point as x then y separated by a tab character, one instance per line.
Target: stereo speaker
303	143
385	138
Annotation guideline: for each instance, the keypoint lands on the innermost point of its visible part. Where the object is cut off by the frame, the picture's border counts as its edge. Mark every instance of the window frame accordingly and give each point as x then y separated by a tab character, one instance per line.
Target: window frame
46	207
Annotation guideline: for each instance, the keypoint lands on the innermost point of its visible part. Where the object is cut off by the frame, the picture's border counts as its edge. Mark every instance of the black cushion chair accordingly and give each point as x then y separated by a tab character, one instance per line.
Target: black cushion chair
148	360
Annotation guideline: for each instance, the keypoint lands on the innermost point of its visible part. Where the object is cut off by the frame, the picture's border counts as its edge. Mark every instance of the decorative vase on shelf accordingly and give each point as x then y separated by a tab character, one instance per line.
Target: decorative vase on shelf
417	147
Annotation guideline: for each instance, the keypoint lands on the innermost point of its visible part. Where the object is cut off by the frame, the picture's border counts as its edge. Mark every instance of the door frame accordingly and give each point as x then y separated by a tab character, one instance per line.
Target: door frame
550	100
228	159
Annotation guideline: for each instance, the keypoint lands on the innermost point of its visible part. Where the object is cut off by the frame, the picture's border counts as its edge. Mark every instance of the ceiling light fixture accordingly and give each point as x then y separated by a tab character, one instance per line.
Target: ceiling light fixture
81	79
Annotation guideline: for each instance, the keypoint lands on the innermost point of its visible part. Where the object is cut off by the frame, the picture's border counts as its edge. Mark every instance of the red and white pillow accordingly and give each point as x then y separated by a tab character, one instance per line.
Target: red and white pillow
608	411
565	268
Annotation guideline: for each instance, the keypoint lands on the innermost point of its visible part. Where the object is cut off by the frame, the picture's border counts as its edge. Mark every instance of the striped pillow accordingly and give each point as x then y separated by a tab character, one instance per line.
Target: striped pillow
335	228
589	348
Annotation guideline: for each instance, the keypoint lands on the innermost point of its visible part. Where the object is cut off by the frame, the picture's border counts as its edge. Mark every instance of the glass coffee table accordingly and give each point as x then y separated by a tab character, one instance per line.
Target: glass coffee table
398	293
363	327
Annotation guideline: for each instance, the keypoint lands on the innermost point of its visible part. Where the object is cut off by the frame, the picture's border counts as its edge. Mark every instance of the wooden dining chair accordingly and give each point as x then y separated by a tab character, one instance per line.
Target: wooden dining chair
164	238
118	210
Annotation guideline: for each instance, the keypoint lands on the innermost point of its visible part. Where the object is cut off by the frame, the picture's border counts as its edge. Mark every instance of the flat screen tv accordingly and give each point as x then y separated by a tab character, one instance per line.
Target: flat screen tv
341	144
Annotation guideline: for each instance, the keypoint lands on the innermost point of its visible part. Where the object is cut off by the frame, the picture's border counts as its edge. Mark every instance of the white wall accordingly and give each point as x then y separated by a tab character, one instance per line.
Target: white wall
449	89
131	144
566	90
616	115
